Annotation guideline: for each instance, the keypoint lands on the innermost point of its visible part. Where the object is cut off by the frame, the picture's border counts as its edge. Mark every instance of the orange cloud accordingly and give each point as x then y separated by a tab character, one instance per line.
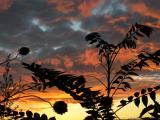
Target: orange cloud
27	78
89	57
154	25
153	46
53	61
125	55
113	21
117	19
86	6
2	70
5	4
63	6
143	9
68	63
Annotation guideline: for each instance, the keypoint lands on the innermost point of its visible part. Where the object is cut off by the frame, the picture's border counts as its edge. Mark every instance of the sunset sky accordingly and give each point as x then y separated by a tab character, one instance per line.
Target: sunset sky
54	30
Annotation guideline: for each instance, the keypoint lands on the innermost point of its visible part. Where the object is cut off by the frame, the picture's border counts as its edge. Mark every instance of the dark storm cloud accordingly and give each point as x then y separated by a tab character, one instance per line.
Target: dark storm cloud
26	22
16	21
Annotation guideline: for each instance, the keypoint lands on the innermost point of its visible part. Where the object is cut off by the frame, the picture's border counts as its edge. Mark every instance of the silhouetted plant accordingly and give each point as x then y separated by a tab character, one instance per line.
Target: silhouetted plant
28	115
100	106
60	107
24	50
73	85
9	88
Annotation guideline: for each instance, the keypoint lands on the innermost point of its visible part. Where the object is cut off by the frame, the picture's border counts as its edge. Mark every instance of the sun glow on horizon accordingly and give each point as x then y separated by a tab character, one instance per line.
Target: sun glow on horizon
76	112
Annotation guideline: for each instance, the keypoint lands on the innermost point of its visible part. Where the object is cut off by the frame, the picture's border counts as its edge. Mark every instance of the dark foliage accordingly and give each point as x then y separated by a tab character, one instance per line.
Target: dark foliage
100	106
89	118
28	115
73	85
10	88
60	107
23	51
137	30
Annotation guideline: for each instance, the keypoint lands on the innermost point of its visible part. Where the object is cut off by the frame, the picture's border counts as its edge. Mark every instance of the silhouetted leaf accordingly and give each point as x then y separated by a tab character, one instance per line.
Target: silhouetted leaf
89	118
121	72
137	101
130	98
136	94
21	114
142	63
126	85
52	118
119	77
34	79
135	37
153	95
157	53
131	36
157	87
155	114
93	41
149	89
116	81
144	29
37	116
145	100
122	89
39	88
146	109
92	36
44	117
29	114
155	62
141	55
15	113
112	88
139	34
143	91
125	67
133	73
123	102
130	78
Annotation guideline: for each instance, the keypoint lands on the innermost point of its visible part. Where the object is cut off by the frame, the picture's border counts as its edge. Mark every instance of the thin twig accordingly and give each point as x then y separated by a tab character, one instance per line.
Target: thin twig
97	79
32	96
8	60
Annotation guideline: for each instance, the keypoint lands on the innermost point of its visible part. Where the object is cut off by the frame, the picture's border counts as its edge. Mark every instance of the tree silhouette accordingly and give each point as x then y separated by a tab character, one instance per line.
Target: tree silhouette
9	88
100	106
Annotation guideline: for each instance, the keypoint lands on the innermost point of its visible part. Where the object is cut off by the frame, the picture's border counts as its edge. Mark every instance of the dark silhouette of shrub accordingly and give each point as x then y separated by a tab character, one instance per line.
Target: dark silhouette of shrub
10	88
52	118
44	117
36	116
60	107
23	51
28	115
100	106
89	118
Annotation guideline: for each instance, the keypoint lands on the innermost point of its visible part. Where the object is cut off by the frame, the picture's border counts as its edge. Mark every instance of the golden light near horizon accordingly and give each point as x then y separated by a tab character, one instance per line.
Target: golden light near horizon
76	112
